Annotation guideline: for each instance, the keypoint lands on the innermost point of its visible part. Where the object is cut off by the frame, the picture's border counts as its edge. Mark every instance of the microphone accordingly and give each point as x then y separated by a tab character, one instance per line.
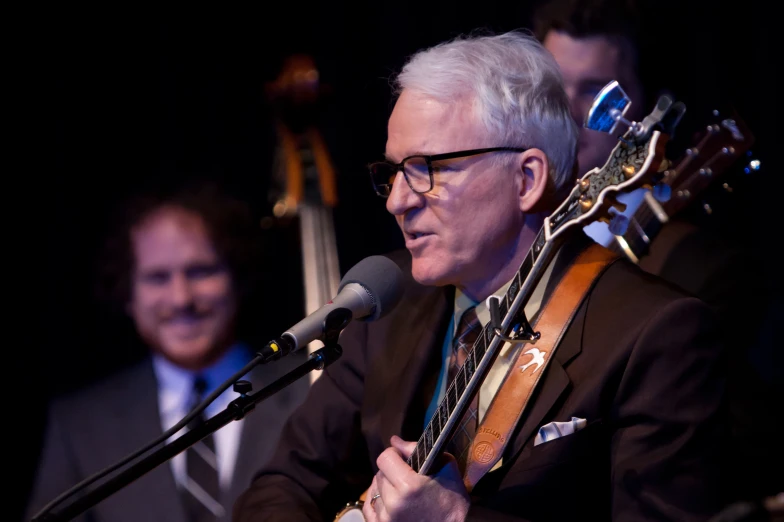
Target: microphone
367	292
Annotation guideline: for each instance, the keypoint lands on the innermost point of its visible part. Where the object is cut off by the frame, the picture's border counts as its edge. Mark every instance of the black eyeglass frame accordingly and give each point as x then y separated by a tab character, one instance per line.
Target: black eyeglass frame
429	159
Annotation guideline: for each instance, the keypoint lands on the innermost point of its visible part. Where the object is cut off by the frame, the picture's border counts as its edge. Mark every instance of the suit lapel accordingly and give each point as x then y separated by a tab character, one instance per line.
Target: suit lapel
407	360
556	381
136	421
261	427
253	427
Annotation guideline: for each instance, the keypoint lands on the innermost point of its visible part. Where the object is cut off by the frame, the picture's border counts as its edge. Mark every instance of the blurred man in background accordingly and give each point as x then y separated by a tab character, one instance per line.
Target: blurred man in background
183	266
595	42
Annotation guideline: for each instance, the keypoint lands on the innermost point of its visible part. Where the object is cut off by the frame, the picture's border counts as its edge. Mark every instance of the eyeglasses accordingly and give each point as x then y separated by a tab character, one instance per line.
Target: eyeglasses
418	169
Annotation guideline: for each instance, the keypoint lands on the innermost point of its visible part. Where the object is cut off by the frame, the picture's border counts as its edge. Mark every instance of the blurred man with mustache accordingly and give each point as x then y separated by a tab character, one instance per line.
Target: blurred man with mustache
183	267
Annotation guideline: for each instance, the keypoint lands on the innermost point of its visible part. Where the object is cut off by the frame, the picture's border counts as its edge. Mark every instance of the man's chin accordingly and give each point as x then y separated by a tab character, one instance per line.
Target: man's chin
426	274
193	354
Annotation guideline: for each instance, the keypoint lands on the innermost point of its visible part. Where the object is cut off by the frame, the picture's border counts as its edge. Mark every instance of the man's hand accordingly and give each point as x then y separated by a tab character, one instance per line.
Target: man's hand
407	495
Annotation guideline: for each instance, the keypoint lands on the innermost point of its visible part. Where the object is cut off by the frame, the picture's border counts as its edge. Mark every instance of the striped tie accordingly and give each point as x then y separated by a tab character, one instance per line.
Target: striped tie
201	489
468	331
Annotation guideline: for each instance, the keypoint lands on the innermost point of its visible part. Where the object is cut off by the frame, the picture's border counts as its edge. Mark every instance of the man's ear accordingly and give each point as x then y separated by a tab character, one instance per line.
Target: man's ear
534	168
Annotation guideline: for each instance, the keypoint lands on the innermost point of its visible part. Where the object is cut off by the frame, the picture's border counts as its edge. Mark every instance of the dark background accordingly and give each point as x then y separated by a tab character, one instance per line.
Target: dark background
122	98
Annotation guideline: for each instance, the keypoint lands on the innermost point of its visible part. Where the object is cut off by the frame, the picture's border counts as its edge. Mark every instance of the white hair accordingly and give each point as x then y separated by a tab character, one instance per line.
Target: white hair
514	85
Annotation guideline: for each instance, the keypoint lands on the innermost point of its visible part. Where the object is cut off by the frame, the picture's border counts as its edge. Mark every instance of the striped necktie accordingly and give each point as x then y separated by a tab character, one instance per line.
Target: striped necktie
468	330
201	490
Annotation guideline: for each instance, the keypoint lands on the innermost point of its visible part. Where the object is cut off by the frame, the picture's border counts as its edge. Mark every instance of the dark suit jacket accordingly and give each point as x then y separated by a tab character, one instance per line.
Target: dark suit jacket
640	361
98	426
727	279
698	261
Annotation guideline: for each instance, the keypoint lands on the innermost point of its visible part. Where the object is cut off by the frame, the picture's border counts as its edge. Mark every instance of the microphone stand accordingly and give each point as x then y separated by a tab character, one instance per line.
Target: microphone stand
236	410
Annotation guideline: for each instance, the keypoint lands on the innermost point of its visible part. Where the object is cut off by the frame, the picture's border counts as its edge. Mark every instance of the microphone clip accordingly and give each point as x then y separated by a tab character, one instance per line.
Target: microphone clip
333	324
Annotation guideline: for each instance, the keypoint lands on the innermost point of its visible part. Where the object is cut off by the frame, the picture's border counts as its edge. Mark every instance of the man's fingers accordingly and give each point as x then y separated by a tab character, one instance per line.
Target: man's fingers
394	468
405	448
369	507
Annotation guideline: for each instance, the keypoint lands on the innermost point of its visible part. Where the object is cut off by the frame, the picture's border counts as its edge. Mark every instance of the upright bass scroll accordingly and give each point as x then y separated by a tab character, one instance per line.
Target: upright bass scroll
304	188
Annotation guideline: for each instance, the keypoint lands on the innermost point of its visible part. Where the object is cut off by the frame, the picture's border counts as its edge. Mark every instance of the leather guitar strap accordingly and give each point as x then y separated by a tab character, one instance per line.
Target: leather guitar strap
511	400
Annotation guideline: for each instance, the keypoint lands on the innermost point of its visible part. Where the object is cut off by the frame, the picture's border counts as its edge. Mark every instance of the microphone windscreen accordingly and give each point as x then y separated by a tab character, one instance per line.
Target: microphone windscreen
382	279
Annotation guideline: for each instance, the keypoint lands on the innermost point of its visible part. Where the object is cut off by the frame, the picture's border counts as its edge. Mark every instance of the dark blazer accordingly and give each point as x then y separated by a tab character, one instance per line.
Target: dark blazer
640	361
100	425
727	278
701	263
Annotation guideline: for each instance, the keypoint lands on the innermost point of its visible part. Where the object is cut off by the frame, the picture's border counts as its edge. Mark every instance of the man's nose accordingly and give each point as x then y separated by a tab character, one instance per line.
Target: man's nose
180	290
402	198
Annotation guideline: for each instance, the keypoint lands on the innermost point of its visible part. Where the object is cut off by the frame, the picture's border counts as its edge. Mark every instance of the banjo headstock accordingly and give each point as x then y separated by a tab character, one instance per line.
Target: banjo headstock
638	160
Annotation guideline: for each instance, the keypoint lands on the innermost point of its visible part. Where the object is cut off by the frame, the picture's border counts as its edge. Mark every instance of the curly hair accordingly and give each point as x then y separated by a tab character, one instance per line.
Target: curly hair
229	223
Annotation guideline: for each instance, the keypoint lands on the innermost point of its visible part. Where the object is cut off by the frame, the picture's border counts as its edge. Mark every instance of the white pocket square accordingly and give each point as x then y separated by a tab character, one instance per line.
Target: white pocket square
555	430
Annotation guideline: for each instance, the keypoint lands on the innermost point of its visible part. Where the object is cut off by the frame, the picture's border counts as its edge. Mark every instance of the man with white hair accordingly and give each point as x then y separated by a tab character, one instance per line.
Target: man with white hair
625	420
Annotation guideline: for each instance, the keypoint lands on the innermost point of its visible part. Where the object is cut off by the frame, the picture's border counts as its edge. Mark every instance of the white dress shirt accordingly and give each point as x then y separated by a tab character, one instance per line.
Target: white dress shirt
507	354
175	389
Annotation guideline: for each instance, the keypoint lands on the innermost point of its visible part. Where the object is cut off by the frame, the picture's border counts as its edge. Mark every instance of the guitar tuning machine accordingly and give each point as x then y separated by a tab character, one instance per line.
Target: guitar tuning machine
522	332
618	225
753	165
608	109
612	200
664	165
662	192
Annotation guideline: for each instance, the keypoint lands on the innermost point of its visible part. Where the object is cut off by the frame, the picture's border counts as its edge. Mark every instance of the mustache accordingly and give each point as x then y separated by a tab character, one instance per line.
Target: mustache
189	311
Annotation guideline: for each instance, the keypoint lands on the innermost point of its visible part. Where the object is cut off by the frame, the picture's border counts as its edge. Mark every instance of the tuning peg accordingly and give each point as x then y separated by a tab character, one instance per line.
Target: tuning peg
727	187
285	207
586	202
608	108
619	224
617	205
752	166
662	192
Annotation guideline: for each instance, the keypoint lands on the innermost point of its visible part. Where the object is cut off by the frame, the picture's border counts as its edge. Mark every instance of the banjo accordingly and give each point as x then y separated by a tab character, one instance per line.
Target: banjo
638	160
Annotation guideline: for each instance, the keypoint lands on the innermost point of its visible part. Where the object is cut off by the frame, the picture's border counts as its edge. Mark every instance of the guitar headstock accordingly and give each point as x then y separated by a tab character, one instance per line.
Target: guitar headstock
638	160
718	146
